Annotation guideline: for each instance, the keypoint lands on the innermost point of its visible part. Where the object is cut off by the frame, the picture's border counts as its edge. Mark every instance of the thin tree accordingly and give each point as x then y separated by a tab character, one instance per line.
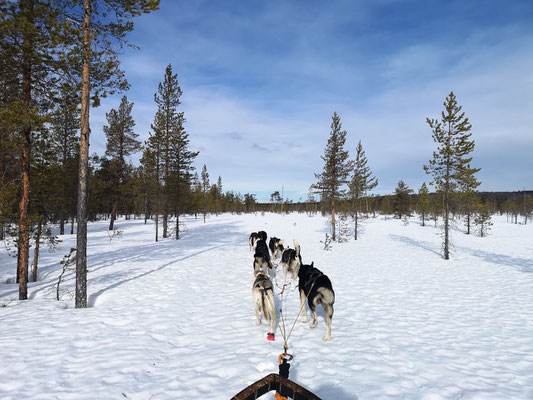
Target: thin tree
205	185
153	162
362	181
100	32
450	166
336	168
121	143
65	125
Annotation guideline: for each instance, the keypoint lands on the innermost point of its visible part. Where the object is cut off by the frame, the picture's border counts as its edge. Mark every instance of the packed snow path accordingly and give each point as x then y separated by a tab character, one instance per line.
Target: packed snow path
175	319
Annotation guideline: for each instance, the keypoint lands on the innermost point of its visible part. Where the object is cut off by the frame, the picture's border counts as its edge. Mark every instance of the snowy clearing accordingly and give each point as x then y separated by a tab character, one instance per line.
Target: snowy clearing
175	319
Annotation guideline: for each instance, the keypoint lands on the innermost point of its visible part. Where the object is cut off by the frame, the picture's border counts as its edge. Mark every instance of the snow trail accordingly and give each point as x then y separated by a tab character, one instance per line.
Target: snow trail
175	319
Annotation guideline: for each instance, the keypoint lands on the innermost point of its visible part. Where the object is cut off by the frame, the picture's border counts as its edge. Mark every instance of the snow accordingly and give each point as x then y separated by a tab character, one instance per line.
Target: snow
175	319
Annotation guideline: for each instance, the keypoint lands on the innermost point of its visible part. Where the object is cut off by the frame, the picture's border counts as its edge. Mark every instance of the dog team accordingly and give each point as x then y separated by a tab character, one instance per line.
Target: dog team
313	285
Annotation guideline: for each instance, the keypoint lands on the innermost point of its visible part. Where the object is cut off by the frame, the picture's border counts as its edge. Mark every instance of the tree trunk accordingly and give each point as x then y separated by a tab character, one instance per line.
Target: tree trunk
81	239
177	225
24	233
446	227
113	214
355	216
333	219
72	225
36	253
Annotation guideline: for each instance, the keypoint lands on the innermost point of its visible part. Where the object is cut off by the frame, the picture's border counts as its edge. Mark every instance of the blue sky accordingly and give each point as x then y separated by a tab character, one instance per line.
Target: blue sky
261	81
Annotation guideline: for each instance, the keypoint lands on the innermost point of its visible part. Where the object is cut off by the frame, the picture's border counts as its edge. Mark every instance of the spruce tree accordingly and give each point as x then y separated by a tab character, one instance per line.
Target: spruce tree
121	143
450	166
401	201
336	168
362	181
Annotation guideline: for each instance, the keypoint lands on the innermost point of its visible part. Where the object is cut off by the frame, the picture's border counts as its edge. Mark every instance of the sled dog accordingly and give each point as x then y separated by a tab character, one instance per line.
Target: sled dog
291	260
317	287
262	257
254	237
275	245
263	296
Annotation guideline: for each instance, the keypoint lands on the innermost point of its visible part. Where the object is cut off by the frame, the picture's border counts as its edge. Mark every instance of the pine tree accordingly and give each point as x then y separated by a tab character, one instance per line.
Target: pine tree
450	166
482	220
167	99
64	136
205	185
152	159
121	143
402	201
362	181
423	203
336	168
469	203
180	166
28	30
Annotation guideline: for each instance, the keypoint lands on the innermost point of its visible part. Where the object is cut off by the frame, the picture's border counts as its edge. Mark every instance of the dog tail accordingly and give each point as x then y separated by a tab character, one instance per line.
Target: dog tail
297	248
264	295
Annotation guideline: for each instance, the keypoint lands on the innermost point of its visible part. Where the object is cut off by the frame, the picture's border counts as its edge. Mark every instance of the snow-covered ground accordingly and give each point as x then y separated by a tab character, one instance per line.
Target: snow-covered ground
175	319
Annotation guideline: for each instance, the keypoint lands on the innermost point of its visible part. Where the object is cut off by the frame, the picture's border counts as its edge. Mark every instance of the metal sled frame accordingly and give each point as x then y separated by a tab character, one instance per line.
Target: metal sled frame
278	383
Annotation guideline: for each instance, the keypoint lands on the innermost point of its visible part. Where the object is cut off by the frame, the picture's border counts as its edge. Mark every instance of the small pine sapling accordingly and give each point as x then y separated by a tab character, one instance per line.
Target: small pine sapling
68	262
327	243
482	221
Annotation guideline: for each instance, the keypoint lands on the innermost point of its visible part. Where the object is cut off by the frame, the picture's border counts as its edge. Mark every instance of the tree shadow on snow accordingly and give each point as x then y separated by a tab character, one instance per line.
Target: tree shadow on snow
521	264
424	245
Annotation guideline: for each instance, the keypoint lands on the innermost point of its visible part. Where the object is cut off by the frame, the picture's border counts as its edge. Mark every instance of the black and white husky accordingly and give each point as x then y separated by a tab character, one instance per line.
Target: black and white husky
291	260
255	236
263	296
317	287
262	257
275	245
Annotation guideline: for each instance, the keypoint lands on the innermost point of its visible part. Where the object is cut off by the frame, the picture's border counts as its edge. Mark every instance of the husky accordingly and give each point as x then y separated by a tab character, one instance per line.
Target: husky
254	237
262	235
275	245
318	289
291	260
263	296
262	257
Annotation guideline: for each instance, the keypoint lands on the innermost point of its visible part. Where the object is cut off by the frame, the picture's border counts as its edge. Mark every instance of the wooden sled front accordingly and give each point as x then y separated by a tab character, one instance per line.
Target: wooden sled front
278	383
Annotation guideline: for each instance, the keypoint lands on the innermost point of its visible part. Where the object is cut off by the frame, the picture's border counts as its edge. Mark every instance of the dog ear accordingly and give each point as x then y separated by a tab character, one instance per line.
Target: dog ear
281	241
312	264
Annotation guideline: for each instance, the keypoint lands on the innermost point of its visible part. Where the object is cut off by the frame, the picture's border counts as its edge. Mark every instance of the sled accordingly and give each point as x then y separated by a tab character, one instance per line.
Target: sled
276	382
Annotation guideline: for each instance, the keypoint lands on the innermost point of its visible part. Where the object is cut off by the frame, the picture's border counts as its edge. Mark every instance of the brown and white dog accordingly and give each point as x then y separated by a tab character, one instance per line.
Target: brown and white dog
263	296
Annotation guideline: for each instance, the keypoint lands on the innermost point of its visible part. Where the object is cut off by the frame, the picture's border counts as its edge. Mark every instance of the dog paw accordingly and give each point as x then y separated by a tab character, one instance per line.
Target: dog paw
312	324
303	320
326	339
258	322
